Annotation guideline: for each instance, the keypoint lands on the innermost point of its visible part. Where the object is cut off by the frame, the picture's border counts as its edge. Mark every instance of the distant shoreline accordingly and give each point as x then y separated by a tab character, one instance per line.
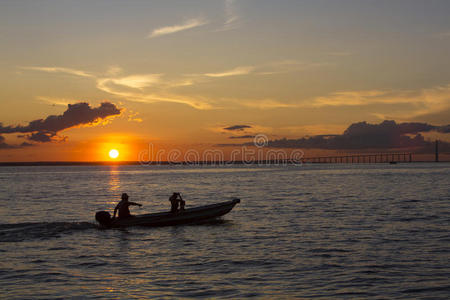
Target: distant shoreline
121	163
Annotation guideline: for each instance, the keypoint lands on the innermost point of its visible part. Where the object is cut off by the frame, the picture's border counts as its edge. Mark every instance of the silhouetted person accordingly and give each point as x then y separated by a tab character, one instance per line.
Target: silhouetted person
182	203
176	199
123	207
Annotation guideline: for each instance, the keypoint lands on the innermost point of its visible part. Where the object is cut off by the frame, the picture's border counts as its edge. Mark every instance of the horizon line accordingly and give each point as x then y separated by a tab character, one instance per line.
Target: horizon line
155	163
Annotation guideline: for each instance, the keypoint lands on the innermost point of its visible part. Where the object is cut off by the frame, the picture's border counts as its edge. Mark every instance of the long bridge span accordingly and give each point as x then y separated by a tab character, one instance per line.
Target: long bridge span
362	158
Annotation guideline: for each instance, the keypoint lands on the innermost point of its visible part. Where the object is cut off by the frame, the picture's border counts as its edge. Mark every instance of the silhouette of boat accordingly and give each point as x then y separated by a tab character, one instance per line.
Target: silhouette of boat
187	216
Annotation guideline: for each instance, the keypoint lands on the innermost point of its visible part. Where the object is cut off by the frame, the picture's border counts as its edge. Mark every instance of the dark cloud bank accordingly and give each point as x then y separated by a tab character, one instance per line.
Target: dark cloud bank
362	135
242	137
4	145
237	127
46	130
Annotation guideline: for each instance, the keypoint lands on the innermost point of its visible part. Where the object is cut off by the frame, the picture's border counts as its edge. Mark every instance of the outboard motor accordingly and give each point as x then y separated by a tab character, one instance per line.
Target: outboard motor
104	218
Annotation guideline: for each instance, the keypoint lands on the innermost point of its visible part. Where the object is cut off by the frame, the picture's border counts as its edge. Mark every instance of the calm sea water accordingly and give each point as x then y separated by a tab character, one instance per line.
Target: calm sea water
315	231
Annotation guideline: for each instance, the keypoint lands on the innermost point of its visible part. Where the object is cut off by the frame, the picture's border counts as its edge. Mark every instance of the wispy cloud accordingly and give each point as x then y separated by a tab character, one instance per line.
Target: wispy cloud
267	104
114	70
414	103
143	88
133	116
152	88
230	12
159	92
108	86
231	16
267	68
233	72
420	102
192	23
138	81
352	98
60	70
57	100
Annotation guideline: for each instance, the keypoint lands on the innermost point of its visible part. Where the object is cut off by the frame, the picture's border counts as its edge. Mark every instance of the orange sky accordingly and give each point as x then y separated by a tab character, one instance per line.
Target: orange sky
181	73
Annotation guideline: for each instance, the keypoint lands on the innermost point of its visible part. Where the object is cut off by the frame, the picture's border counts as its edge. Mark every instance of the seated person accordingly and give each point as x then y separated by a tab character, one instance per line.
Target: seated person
123	207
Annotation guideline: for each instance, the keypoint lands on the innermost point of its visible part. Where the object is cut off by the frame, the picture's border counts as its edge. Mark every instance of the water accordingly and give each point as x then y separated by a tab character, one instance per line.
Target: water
316	231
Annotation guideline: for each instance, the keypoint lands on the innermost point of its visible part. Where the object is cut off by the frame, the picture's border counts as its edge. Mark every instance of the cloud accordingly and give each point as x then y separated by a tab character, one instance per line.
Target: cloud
443	129
428	97
231	16
233	72
78	114
192	23
107	85
241	137
154	87
267	104
268	68
42	136
362	135
56	100
418	102
313	129
60	70
138	81
237	127
134	116
131	88
113	70
352	98
4	145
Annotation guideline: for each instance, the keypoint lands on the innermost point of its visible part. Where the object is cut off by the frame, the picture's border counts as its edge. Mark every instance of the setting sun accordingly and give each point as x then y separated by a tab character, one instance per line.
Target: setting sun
113	153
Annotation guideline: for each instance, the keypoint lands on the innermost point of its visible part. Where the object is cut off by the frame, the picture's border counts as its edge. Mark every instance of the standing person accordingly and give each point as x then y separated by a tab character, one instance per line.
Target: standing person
182	202
176	200
123	207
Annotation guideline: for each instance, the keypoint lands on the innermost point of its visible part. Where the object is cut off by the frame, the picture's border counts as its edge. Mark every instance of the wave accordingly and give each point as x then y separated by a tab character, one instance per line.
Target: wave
20	232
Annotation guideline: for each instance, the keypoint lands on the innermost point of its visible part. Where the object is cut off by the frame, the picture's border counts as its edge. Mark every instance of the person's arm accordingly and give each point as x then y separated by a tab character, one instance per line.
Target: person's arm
134	203
115	210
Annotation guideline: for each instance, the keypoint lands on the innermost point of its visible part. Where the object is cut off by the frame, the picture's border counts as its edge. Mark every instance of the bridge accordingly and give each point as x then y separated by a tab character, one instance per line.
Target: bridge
362	158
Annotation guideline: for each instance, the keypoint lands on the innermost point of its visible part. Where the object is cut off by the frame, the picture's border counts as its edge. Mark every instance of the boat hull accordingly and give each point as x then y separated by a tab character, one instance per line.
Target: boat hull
191	215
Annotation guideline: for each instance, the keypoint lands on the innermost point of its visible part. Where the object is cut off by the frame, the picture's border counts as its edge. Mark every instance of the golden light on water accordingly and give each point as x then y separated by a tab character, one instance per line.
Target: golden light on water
113	153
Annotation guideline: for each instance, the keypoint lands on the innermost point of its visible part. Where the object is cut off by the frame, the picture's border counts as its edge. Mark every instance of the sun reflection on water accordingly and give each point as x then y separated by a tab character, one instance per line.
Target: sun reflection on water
114	181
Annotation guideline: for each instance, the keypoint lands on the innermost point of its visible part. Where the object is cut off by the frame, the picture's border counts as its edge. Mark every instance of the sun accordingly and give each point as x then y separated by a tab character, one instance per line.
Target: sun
113	153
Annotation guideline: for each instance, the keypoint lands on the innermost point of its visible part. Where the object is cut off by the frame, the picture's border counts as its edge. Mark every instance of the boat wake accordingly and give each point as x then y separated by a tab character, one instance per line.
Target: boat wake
20	232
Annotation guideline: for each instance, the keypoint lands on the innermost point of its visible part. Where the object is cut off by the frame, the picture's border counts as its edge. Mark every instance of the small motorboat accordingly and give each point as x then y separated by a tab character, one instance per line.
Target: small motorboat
187	216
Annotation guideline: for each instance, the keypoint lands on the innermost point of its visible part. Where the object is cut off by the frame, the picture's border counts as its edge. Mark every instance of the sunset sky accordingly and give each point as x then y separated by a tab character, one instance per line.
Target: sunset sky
178	73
